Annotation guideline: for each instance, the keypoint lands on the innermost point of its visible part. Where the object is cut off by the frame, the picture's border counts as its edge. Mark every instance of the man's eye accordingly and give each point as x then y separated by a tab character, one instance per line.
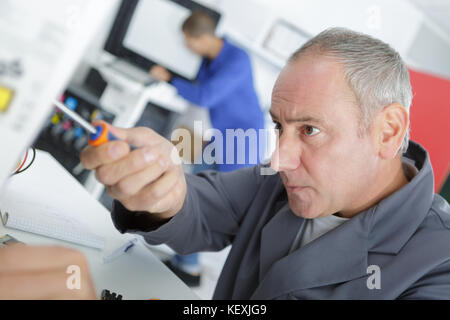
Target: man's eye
278	126
310	131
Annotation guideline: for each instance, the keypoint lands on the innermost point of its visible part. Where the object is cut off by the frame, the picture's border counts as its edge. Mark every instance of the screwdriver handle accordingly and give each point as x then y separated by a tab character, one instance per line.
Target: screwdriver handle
102	136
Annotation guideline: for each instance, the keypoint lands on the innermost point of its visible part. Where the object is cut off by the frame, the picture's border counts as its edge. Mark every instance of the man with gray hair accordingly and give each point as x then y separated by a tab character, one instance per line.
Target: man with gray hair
350	212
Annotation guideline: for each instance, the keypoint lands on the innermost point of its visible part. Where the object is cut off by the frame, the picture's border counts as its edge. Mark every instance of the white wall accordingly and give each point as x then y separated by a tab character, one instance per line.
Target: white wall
394	22
247	22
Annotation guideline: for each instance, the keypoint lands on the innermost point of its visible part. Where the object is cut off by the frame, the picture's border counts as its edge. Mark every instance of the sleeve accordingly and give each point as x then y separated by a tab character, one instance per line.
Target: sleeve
208	92
211	215
433	286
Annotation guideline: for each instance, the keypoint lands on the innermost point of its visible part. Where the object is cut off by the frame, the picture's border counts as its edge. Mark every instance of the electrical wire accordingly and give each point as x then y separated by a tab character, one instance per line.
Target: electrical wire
29	165
23	162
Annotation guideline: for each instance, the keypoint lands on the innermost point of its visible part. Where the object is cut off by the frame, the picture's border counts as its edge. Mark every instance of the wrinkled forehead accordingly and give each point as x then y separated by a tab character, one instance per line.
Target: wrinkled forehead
315	83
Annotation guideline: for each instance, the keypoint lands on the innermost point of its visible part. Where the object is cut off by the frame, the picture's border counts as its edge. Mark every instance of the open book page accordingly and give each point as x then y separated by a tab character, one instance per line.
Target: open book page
47	221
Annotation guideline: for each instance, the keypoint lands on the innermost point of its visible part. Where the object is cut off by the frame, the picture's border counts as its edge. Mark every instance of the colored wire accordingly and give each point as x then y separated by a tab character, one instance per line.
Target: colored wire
30	164
23	162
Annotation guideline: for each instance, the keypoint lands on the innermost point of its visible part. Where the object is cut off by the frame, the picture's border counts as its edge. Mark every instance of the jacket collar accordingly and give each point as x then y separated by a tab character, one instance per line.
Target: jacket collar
222	55
338	256
398	216
342	254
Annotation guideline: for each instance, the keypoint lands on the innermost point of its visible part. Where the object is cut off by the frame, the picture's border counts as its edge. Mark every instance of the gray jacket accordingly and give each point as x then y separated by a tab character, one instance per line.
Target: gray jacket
406	236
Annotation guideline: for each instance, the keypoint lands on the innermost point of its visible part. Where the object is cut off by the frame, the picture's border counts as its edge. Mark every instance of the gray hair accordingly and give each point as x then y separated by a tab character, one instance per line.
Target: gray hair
374	71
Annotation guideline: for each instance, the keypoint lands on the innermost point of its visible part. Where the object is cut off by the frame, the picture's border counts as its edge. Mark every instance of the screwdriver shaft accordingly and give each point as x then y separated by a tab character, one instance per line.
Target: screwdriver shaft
75	117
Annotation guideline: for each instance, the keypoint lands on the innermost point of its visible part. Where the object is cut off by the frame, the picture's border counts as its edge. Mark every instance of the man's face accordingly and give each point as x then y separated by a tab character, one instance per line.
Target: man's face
325	163
197	45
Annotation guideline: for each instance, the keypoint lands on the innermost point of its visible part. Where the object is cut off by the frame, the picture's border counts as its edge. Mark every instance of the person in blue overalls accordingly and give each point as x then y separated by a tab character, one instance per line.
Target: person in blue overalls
225	87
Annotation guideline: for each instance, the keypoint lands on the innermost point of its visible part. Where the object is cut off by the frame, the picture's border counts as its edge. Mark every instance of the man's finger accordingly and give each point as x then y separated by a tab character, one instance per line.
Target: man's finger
132	184
150	195
138	160
167	201
93	157
138	137
119	133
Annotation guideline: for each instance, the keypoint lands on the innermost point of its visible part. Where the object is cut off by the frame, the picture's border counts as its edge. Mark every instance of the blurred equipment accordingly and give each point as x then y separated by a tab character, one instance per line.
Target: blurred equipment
140	24
65	138
75	117
8	240
43	42
107	295
97	135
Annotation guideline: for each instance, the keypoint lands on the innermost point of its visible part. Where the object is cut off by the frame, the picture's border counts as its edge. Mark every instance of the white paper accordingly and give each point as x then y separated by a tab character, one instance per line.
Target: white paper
44	220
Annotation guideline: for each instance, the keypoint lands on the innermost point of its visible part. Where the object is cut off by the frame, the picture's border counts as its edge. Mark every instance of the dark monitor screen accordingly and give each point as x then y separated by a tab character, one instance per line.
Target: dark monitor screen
148	32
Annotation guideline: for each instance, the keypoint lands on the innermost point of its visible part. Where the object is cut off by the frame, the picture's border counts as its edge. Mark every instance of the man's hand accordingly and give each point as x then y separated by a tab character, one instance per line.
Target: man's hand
37	273
150	178
160	73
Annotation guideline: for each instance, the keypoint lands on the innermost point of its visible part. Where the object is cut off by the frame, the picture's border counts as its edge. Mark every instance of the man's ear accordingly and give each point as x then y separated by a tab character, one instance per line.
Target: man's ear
390	127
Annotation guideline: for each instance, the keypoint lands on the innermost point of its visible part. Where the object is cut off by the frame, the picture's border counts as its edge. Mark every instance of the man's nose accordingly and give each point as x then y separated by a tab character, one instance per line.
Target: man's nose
287	155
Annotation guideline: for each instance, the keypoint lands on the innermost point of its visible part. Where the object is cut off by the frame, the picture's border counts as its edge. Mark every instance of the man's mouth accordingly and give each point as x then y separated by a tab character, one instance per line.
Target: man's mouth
292	189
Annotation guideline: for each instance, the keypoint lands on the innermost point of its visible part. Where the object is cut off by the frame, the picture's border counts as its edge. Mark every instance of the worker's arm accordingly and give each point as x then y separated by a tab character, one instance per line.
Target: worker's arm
151	189
208	92
211	215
